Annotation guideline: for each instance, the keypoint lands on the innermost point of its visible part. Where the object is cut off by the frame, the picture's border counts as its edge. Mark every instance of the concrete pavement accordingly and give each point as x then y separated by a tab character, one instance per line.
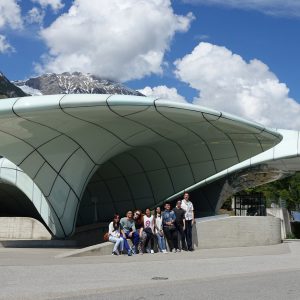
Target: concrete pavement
229	273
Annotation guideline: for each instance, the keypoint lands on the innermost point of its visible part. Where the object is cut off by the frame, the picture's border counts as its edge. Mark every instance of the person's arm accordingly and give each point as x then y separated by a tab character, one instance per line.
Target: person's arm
110	228
173	216
183	219
165	222
141	231
133	227
155	225
193	215
142	228
122	228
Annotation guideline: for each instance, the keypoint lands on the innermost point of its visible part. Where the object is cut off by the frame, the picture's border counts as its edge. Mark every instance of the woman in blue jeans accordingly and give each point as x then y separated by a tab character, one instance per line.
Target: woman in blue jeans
116	237
159	231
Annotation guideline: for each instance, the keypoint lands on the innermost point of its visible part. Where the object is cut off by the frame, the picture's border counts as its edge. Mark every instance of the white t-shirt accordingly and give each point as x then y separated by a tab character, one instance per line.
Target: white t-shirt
149	222
158	223
188	207
112	231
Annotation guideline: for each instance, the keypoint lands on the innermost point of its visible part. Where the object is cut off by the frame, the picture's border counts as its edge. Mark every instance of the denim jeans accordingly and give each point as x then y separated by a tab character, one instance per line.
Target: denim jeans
119	241
161	242
126	246
135	239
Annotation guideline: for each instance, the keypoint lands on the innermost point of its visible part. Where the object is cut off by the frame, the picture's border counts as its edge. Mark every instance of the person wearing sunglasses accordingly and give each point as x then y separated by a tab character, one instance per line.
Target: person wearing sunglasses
139	225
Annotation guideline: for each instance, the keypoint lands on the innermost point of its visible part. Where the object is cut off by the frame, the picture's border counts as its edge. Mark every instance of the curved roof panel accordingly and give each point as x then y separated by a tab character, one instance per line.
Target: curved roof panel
144	149
279	161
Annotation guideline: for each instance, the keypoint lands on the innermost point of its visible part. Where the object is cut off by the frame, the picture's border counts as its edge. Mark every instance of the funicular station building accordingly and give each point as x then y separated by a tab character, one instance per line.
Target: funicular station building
71	160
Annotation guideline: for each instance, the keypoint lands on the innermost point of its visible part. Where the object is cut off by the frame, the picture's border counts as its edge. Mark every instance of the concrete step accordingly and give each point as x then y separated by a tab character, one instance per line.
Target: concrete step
38	244
95	250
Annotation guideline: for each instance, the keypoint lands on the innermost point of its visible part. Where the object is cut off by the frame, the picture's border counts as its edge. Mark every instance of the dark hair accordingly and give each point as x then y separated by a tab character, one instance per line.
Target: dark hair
140	219
167	203
116	224
155	212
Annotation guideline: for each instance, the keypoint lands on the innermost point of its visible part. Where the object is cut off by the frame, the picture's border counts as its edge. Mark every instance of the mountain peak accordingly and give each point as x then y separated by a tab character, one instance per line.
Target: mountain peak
9	90
72	83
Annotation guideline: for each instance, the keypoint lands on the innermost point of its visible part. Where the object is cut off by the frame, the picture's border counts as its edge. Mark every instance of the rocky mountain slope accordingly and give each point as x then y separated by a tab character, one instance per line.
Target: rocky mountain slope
72	83
9	90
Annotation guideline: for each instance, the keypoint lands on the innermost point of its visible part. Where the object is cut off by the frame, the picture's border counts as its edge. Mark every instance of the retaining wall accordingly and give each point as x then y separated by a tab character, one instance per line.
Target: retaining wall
22	228
237	232
216	232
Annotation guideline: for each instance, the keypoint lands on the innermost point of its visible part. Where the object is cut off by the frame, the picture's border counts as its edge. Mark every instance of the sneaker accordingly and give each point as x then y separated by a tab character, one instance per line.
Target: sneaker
174	250
151	251
178	250
191	249
165	251
129	253
115	252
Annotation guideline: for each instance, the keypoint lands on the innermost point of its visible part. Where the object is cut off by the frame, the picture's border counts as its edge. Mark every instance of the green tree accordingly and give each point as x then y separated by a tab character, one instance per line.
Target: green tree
287	189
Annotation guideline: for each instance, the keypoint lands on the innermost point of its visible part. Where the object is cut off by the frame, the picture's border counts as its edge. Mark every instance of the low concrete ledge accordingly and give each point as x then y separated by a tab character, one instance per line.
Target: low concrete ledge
214	232
237	232
38	244
95	250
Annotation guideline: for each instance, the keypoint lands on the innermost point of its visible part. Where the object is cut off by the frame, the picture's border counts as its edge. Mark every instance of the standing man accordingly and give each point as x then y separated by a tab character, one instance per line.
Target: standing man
168	221
187	205
180	224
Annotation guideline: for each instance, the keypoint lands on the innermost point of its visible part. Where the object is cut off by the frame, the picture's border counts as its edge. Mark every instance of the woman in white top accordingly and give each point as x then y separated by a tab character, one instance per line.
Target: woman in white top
115	235
149	229
159	231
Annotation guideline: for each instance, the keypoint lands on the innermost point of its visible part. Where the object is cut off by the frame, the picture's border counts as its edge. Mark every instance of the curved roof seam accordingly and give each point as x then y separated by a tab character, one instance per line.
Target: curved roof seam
203	140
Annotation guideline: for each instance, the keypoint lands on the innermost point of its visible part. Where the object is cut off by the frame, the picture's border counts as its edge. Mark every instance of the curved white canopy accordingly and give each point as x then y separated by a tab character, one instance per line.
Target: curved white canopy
140	150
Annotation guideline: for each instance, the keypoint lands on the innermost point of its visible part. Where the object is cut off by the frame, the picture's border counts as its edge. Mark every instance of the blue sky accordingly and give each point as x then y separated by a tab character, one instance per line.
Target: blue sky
241	57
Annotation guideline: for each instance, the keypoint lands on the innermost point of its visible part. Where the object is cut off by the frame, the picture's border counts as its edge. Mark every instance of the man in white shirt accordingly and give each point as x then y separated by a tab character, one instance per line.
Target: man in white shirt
187	205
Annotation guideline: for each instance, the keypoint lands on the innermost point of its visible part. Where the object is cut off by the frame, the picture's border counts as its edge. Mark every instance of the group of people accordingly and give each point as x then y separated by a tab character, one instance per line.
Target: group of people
143	229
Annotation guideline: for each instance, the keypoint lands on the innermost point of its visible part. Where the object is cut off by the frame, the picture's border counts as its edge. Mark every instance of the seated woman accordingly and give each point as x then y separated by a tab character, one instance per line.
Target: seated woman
149	230
116	237
139	225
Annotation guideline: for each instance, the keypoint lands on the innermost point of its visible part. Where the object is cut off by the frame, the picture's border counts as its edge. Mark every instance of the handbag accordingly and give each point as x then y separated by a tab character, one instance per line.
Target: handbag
106	237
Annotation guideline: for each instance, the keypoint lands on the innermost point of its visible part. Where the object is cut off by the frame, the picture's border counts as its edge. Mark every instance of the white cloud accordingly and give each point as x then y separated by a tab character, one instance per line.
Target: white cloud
35	15
164	92
10	14
4	45
122	40
271	7
56	5
228	83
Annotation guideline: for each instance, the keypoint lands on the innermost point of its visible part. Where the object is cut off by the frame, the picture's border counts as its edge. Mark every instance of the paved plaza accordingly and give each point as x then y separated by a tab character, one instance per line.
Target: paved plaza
265	272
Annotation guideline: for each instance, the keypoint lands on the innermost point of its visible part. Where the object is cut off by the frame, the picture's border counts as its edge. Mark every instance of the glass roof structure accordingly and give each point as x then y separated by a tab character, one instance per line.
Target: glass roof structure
72	153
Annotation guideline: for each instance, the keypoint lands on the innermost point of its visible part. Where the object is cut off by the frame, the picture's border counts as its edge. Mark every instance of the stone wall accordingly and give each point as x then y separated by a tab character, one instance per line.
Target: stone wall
237	232
22	228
